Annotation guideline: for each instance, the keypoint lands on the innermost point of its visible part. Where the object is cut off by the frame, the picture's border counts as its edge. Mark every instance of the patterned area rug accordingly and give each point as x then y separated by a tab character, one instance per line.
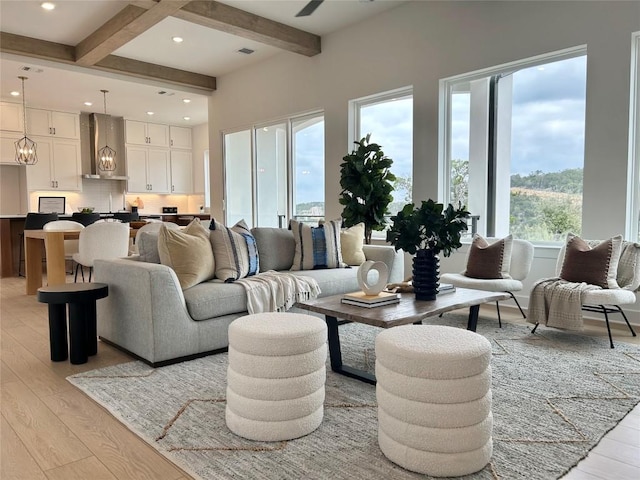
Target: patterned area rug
555	395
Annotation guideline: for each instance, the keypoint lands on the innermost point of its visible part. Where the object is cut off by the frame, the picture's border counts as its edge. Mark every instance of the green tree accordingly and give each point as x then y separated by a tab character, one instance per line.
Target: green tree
367	183
460	181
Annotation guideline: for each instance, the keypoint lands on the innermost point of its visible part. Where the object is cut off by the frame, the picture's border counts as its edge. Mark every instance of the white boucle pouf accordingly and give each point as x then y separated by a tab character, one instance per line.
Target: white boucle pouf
434	399
276	376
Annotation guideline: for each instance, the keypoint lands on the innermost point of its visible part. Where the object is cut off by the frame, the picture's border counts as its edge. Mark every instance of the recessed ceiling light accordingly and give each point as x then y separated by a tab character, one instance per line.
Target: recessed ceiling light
186	100
88	104
186	118
177	39
246	51
48	5
149	113
15	94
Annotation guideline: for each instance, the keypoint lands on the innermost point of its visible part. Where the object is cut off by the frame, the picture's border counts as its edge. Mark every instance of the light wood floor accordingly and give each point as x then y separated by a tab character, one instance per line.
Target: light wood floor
50	430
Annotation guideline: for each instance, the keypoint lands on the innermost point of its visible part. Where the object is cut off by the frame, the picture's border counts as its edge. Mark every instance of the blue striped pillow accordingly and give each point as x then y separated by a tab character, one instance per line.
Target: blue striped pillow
317	247
235	251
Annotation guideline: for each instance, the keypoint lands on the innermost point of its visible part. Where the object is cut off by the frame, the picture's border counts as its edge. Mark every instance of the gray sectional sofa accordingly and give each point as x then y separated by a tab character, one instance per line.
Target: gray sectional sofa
148	315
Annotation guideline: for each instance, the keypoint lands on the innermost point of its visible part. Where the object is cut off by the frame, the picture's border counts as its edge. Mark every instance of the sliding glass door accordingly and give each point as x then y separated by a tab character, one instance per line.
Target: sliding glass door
238	183
275	172
271	175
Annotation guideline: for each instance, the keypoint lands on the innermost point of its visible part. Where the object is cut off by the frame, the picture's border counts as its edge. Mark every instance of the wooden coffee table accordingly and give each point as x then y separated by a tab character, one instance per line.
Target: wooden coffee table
406	312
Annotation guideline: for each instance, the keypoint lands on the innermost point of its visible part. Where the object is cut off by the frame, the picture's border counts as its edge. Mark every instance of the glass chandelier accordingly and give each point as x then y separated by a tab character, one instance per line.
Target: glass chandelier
106	155
25	147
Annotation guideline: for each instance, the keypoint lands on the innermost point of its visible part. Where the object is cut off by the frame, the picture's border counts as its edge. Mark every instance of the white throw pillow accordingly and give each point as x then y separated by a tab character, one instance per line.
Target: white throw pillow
351	242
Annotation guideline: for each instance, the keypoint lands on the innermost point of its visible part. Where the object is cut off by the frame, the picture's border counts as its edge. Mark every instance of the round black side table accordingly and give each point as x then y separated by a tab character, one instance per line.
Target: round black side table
83	337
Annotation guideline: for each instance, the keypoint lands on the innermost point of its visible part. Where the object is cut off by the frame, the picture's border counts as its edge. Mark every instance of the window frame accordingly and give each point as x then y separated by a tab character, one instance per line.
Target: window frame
447	87
355	107
288	121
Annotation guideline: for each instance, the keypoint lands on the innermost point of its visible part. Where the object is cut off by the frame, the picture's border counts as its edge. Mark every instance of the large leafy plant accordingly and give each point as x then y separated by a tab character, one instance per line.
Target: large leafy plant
429	226
366	187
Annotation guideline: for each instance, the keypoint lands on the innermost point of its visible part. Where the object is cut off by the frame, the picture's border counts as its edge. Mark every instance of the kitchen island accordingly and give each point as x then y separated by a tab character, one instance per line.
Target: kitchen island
12	226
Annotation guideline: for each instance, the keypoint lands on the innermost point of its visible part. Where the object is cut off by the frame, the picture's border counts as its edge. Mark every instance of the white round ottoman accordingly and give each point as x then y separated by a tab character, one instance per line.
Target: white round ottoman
276	375
434	399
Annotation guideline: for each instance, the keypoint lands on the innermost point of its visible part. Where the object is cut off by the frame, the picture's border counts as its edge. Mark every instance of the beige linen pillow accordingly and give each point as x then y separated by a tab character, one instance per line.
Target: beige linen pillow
351	242
188	253
597	265
489	260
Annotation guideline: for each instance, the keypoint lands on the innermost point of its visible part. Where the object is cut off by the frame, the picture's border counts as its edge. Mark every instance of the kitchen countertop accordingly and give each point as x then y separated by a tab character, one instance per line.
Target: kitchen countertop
106	214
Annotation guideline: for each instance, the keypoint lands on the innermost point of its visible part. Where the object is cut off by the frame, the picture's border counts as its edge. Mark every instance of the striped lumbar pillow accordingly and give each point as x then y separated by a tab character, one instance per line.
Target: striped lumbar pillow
235	251
317	247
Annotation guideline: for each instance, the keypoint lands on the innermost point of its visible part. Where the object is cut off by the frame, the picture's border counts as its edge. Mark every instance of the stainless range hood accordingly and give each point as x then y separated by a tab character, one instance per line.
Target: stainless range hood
94	128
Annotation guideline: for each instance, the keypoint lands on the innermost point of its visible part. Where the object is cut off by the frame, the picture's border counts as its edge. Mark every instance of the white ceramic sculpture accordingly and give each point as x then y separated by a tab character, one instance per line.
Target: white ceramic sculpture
363	277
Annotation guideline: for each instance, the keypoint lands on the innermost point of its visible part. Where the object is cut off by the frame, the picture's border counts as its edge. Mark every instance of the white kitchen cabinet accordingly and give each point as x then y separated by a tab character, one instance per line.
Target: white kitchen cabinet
181	171
180	137
148	170
53	124
8	148
58	166
11	117
150	134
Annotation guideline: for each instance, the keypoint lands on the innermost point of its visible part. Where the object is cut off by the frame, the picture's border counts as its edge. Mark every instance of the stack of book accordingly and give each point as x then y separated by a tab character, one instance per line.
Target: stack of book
369	301
446	288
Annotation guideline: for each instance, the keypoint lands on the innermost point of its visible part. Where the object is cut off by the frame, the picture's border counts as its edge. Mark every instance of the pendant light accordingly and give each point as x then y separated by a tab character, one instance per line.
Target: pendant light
106	155
25	147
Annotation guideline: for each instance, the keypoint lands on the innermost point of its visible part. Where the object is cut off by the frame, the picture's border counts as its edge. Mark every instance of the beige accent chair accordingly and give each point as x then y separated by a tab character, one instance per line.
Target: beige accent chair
521	260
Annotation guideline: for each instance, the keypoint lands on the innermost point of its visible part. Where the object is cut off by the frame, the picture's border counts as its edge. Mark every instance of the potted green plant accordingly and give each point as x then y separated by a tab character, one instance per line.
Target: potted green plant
366	183
425	231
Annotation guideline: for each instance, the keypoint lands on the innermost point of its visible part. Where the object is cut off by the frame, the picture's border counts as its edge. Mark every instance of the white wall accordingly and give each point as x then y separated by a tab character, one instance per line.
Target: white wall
199	143
417	44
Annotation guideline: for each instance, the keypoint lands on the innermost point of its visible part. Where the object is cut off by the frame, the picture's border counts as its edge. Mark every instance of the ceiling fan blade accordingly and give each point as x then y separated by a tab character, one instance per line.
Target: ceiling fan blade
309	8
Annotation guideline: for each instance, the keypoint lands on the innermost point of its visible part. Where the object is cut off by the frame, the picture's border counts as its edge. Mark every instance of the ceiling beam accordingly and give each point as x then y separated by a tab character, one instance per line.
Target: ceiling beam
126	25
57	52
137	68
226	18
33	47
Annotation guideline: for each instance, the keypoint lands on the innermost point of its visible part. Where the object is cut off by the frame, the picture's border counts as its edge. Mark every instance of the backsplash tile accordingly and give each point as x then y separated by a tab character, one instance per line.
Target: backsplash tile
97	194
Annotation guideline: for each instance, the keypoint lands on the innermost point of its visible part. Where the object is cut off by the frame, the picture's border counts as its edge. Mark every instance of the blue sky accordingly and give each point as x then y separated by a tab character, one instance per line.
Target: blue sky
548	107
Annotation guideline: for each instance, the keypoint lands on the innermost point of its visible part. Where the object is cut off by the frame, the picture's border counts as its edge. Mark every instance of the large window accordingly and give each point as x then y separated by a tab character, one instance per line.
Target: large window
308	168
275	172
388	117
238	181
515	146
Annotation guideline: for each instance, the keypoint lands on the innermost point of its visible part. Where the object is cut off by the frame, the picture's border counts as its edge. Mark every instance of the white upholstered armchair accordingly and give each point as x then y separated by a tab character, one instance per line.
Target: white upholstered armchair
595	298
519	267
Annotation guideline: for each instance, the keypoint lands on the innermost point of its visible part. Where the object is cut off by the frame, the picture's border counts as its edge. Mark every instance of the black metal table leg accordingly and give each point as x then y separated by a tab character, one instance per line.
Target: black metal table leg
473	317
335	355
78	333
58	332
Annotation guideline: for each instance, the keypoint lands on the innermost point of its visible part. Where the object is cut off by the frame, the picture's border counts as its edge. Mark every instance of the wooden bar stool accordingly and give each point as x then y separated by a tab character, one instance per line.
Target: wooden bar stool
83	338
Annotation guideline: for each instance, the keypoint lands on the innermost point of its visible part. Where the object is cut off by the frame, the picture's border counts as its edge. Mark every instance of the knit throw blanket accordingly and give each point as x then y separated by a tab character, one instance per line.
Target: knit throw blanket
273	291
557	303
